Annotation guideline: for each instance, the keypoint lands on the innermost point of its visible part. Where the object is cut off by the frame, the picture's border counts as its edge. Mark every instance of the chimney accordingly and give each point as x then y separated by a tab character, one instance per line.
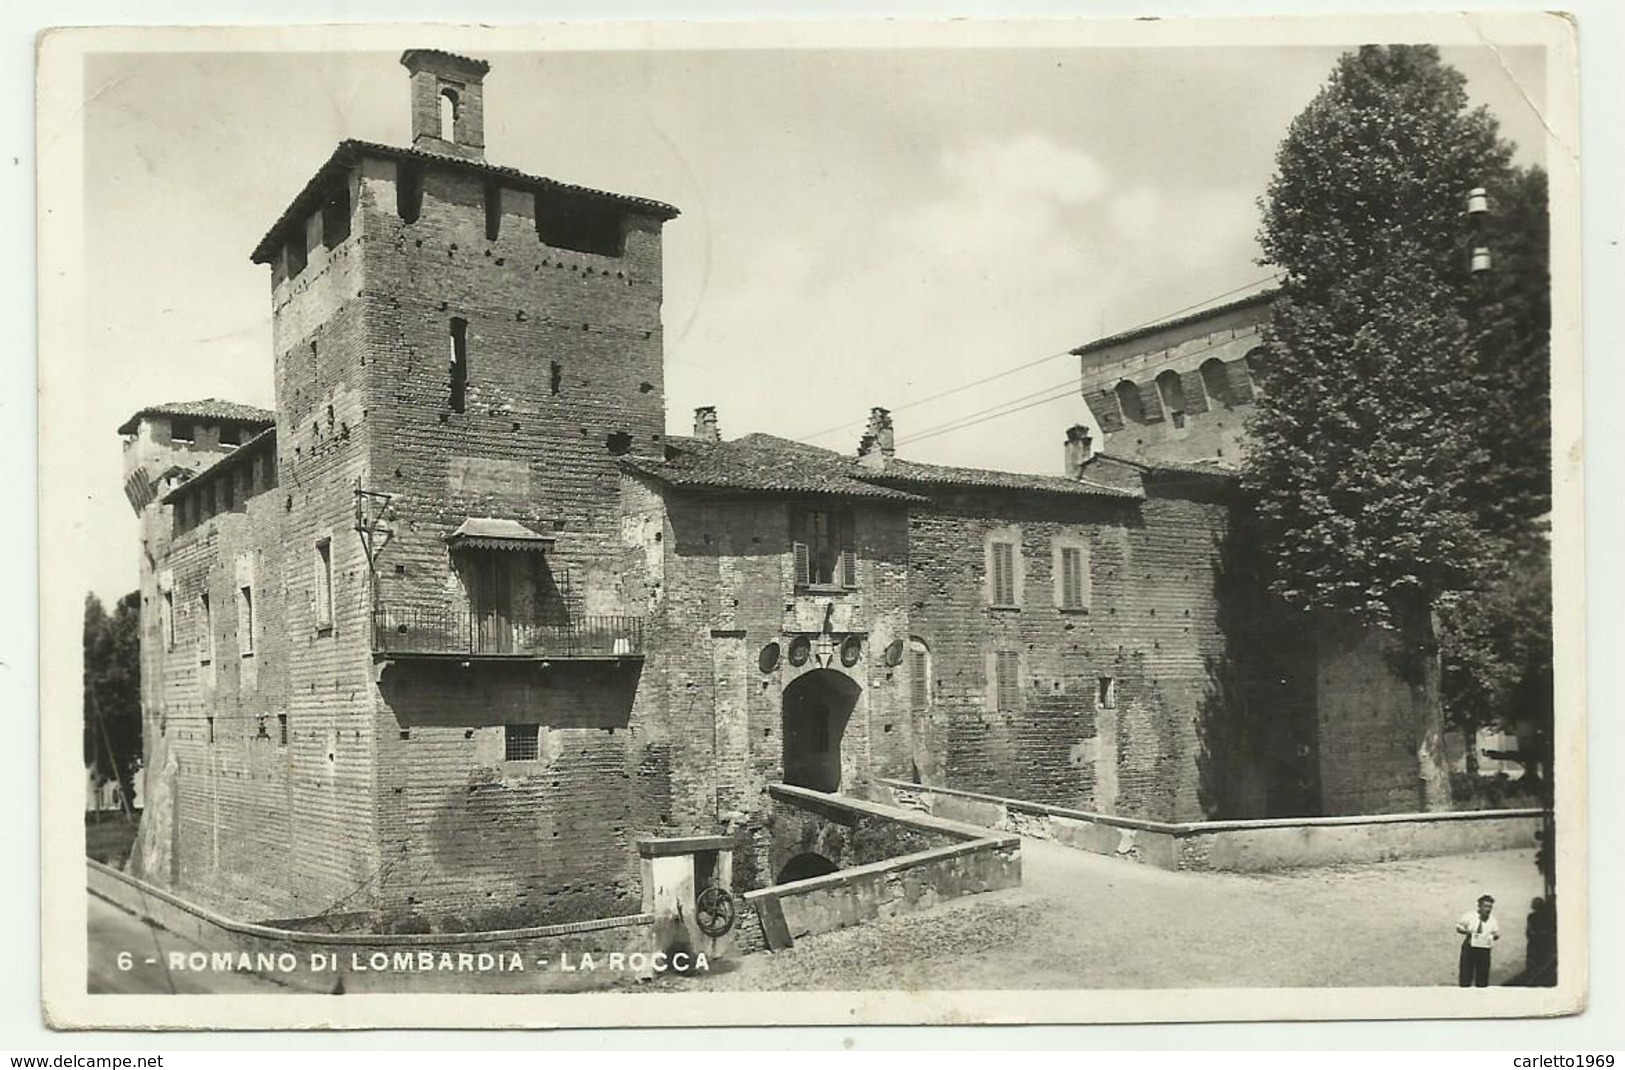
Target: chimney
448	109
1079	448
705	424
876	447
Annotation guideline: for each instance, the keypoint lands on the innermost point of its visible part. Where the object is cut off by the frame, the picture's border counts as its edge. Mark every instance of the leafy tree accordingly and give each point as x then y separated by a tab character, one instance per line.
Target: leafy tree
112	711
1386	469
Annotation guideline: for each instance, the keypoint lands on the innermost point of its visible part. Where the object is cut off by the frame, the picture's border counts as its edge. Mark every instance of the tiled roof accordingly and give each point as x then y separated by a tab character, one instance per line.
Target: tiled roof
350	150
764	464
911	473
207	409
411	55
263	441
1163	469
1260	298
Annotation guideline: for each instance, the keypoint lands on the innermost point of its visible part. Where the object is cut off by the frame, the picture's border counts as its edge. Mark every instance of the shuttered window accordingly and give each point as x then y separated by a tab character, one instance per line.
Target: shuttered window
824	548
1072	596
919	675
1004	573
1007	682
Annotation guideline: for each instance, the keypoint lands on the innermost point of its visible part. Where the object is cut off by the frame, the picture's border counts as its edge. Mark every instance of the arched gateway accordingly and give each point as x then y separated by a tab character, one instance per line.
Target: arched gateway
817	707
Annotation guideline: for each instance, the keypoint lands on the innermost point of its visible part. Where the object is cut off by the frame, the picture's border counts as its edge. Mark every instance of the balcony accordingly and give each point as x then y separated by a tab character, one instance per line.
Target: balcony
413	632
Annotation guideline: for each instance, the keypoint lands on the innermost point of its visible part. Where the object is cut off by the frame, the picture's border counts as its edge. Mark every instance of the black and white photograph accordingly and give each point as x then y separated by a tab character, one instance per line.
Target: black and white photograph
797	524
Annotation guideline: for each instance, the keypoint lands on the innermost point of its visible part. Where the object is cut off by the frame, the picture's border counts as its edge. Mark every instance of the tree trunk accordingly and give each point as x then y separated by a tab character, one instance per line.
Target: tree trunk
1427	712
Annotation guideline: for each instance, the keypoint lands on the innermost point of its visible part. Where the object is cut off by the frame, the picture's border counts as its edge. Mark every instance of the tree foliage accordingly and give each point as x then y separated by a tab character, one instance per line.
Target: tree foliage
112	713
1402	431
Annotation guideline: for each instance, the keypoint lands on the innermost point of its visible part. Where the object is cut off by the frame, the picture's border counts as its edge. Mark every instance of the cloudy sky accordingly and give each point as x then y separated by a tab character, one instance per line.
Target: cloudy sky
860	227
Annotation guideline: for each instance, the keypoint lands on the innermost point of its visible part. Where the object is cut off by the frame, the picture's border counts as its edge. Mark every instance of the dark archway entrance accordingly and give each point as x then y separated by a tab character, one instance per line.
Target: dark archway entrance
803	866
817	707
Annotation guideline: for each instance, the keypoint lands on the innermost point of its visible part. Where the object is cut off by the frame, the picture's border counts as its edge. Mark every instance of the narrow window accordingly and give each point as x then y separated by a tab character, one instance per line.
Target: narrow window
459	364
282	729
1106	693
245	620
324	585
448	114
228	489
206	621
1128	399
210	721
520	742
336	215
1171	391
919	675
493	211
1216	382
555	377
408	191
1074	578
1007	669
1003	569
297	253
166	619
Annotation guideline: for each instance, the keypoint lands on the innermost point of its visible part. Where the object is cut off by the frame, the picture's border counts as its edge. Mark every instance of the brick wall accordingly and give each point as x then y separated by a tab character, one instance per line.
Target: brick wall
219	786
727	591
1150	625
1216	399
1367	738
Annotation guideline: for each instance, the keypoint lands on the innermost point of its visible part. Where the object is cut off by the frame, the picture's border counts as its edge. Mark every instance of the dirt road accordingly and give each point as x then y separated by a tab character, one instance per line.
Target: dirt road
1084	921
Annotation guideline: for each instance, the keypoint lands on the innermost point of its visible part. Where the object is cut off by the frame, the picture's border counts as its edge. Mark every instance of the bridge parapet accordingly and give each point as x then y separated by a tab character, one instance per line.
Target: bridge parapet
876	862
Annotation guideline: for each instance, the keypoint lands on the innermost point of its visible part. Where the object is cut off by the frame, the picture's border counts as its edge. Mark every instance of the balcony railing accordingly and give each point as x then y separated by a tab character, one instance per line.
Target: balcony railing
415	631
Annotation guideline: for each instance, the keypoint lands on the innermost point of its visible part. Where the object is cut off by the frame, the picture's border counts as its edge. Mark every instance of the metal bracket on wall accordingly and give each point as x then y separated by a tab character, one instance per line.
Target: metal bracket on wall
371	521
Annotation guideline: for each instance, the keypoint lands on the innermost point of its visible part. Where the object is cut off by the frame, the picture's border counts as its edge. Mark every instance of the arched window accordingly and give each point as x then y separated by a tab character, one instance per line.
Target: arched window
1172	394
448	114
919	674
1128	399
1216	381
1253	361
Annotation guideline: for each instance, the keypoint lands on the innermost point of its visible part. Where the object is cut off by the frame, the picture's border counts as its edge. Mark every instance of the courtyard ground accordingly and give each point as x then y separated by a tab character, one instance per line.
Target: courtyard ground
1078	921
1086	921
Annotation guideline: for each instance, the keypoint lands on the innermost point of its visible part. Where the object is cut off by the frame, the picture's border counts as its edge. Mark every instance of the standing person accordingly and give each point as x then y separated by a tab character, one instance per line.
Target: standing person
1479	933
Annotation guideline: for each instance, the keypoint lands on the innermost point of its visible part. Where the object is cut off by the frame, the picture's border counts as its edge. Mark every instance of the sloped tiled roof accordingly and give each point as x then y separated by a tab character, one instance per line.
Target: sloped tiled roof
207	409
764	464
1263	297
1163	469
350	150
265	441
912	473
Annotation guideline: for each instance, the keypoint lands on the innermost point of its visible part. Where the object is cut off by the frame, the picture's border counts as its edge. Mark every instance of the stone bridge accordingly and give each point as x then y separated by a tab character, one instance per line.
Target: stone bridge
839	861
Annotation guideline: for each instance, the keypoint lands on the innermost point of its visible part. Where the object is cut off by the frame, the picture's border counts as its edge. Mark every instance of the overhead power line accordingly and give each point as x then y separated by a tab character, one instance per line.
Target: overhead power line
1040	360
978	416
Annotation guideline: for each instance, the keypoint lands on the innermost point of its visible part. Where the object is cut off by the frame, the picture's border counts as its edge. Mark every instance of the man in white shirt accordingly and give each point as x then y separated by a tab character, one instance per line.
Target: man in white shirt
1479	933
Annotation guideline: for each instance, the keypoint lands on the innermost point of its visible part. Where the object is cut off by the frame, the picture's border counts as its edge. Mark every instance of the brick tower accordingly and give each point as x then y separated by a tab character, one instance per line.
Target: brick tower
433	661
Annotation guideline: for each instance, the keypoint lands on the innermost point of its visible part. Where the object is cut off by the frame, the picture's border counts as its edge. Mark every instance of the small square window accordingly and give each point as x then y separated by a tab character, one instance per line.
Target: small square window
520	742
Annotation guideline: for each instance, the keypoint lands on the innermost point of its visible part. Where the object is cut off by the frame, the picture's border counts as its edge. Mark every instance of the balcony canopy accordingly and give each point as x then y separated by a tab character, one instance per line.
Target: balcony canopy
489	533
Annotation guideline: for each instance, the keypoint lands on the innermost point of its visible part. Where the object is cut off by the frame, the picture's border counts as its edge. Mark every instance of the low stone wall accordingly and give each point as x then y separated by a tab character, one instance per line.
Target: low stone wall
318	961
966	860
1233	846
